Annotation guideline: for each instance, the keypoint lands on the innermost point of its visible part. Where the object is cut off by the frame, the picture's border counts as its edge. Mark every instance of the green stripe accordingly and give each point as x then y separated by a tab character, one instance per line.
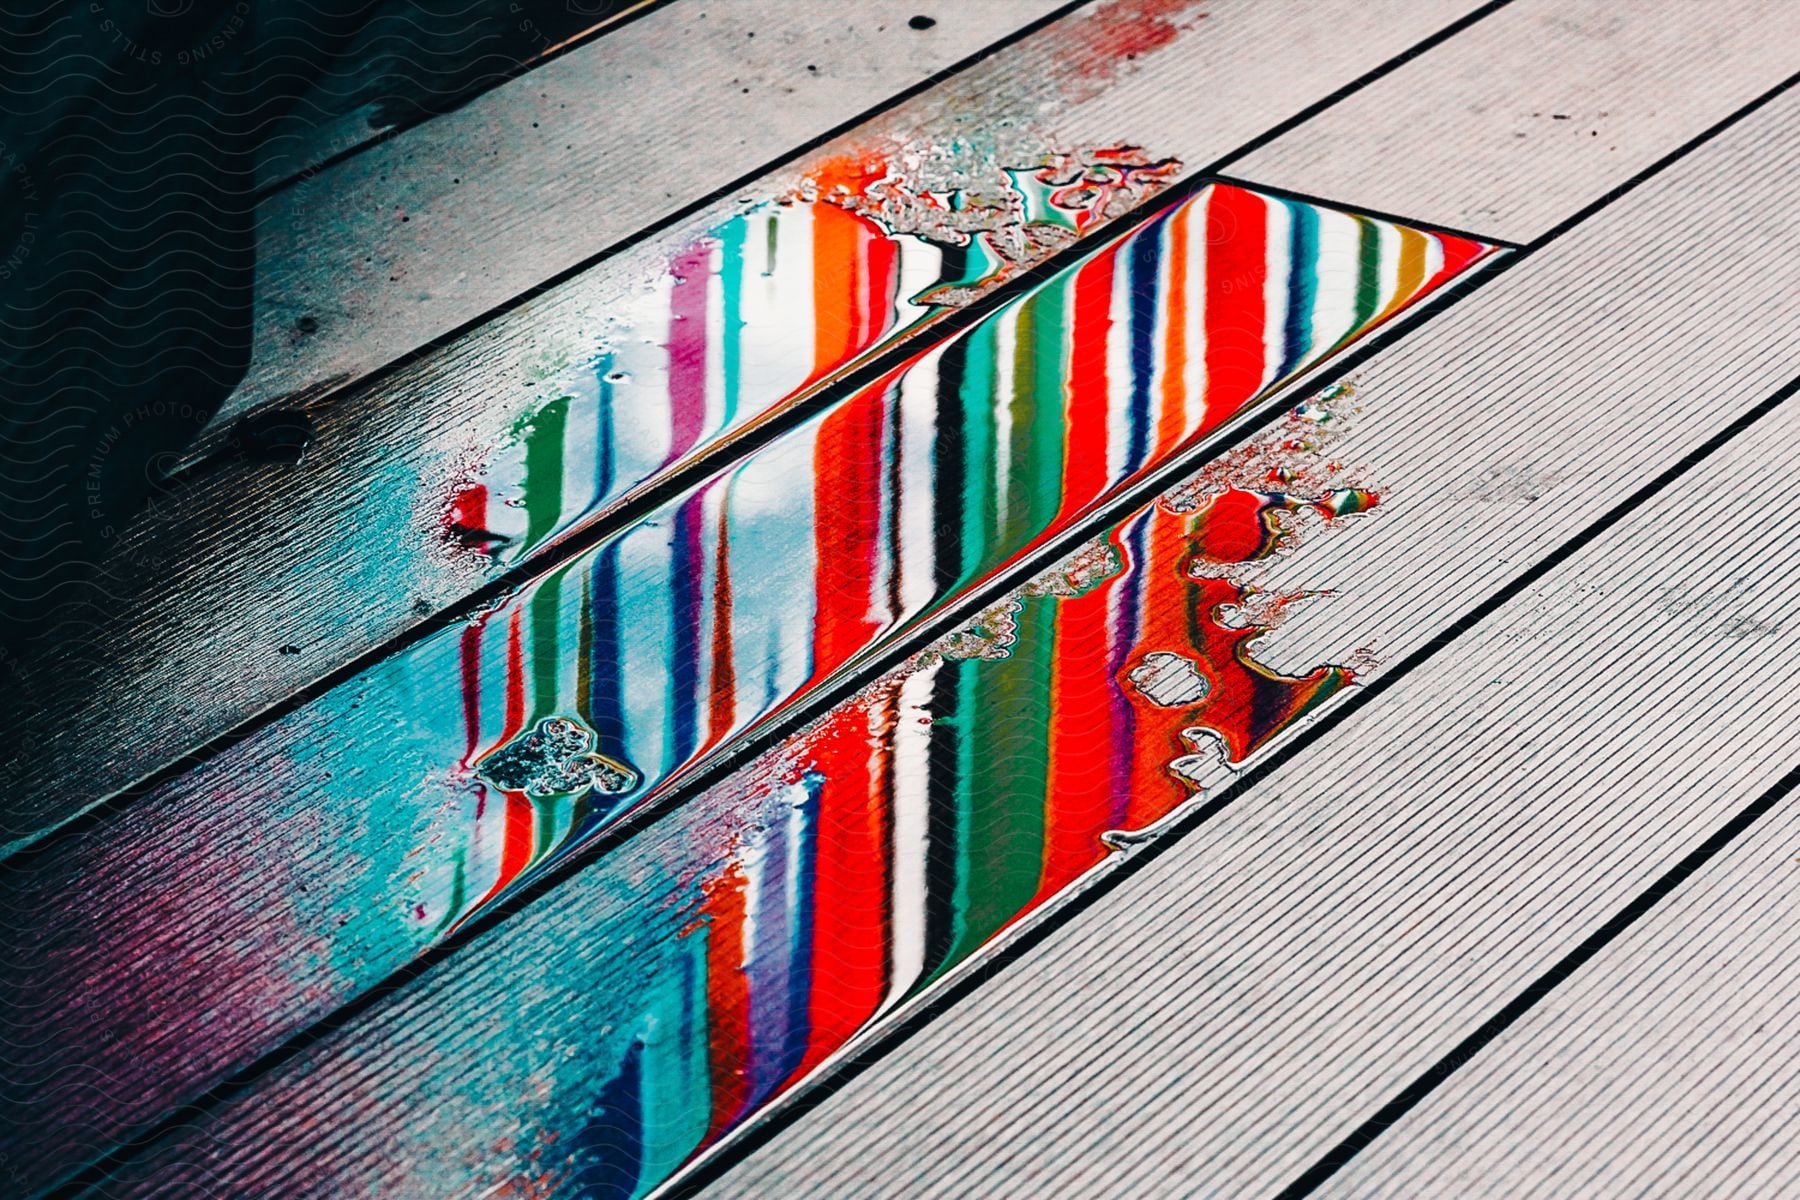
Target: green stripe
677	1091
546	659
544	470
1368	280
979	498
1039	428
731	282
1006	774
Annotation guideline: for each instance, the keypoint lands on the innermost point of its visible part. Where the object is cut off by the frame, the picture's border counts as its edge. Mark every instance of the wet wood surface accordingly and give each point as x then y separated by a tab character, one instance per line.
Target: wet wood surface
346	551
551	169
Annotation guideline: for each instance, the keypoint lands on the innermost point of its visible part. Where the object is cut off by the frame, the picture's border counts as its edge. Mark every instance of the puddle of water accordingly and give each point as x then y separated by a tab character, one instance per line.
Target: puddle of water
717	612
899	835
761	312
787	917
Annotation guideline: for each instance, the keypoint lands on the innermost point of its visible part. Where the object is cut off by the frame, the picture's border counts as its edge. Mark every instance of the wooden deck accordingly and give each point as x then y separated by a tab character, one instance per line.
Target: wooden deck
1498	910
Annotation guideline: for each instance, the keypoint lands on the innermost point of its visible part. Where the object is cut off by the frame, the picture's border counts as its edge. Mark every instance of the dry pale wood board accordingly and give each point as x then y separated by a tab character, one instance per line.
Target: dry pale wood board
1663	1067
334	557
1528	373
412	238
1228	1013
1610	89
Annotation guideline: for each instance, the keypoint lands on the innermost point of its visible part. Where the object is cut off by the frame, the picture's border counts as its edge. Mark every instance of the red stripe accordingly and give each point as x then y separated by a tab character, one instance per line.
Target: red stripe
1086	409
849	951
882	284
722	706
1459	254
1079	803
727	1000
1236	276
847	472
836	236
1166	614
515	680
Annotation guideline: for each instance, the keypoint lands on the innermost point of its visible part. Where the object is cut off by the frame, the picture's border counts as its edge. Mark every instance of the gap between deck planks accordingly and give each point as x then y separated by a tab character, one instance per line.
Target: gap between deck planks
1664	1065
1272	977
562	930
170	848
347	552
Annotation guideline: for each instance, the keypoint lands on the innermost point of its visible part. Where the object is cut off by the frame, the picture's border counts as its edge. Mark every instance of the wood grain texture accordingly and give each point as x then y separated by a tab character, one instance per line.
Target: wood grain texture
1251	995
1532	372
1664	1067
414	237
359	71
347	550
1609	89
265	912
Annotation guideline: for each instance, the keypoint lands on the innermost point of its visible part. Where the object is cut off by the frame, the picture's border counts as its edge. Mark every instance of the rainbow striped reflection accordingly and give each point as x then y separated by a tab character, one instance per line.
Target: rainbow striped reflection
748	320
800	903
739	595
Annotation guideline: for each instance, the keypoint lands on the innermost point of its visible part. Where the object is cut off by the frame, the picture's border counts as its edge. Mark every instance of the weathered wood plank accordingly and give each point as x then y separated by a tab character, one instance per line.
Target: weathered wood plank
1664	1066
1610	88
416	1097
403	60
656	648
346	551
1254	993
413	238
334	857
1248	999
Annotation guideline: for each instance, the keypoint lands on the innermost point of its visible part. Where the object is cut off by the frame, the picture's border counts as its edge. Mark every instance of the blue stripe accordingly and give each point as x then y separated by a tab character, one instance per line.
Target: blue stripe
1144	260
1303	283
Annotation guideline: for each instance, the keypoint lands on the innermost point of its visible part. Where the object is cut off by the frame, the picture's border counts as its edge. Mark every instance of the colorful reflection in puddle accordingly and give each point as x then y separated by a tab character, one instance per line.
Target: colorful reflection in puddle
897	837
762	312
716	612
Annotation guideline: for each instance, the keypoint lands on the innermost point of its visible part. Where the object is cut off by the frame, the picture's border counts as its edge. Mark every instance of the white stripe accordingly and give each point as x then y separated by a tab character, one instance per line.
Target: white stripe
1118	370
1277	258
912	832
918	492
1006	358
1194	217
1334	304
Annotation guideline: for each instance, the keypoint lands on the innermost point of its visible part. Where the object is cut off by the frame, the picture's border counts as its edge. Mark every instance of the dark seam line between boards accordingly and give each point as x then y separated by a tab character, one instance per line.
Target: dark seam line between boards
883	1042
98	1168
489	83
811	1094
1621	922
640	504
627	512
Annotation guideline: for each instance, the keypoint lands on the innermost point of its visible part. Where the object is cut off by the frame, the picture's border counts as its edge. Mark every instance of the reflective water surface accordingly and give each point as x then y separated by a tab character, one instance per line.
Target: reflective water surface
903	833
670	993
759	314
736	598
256	894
